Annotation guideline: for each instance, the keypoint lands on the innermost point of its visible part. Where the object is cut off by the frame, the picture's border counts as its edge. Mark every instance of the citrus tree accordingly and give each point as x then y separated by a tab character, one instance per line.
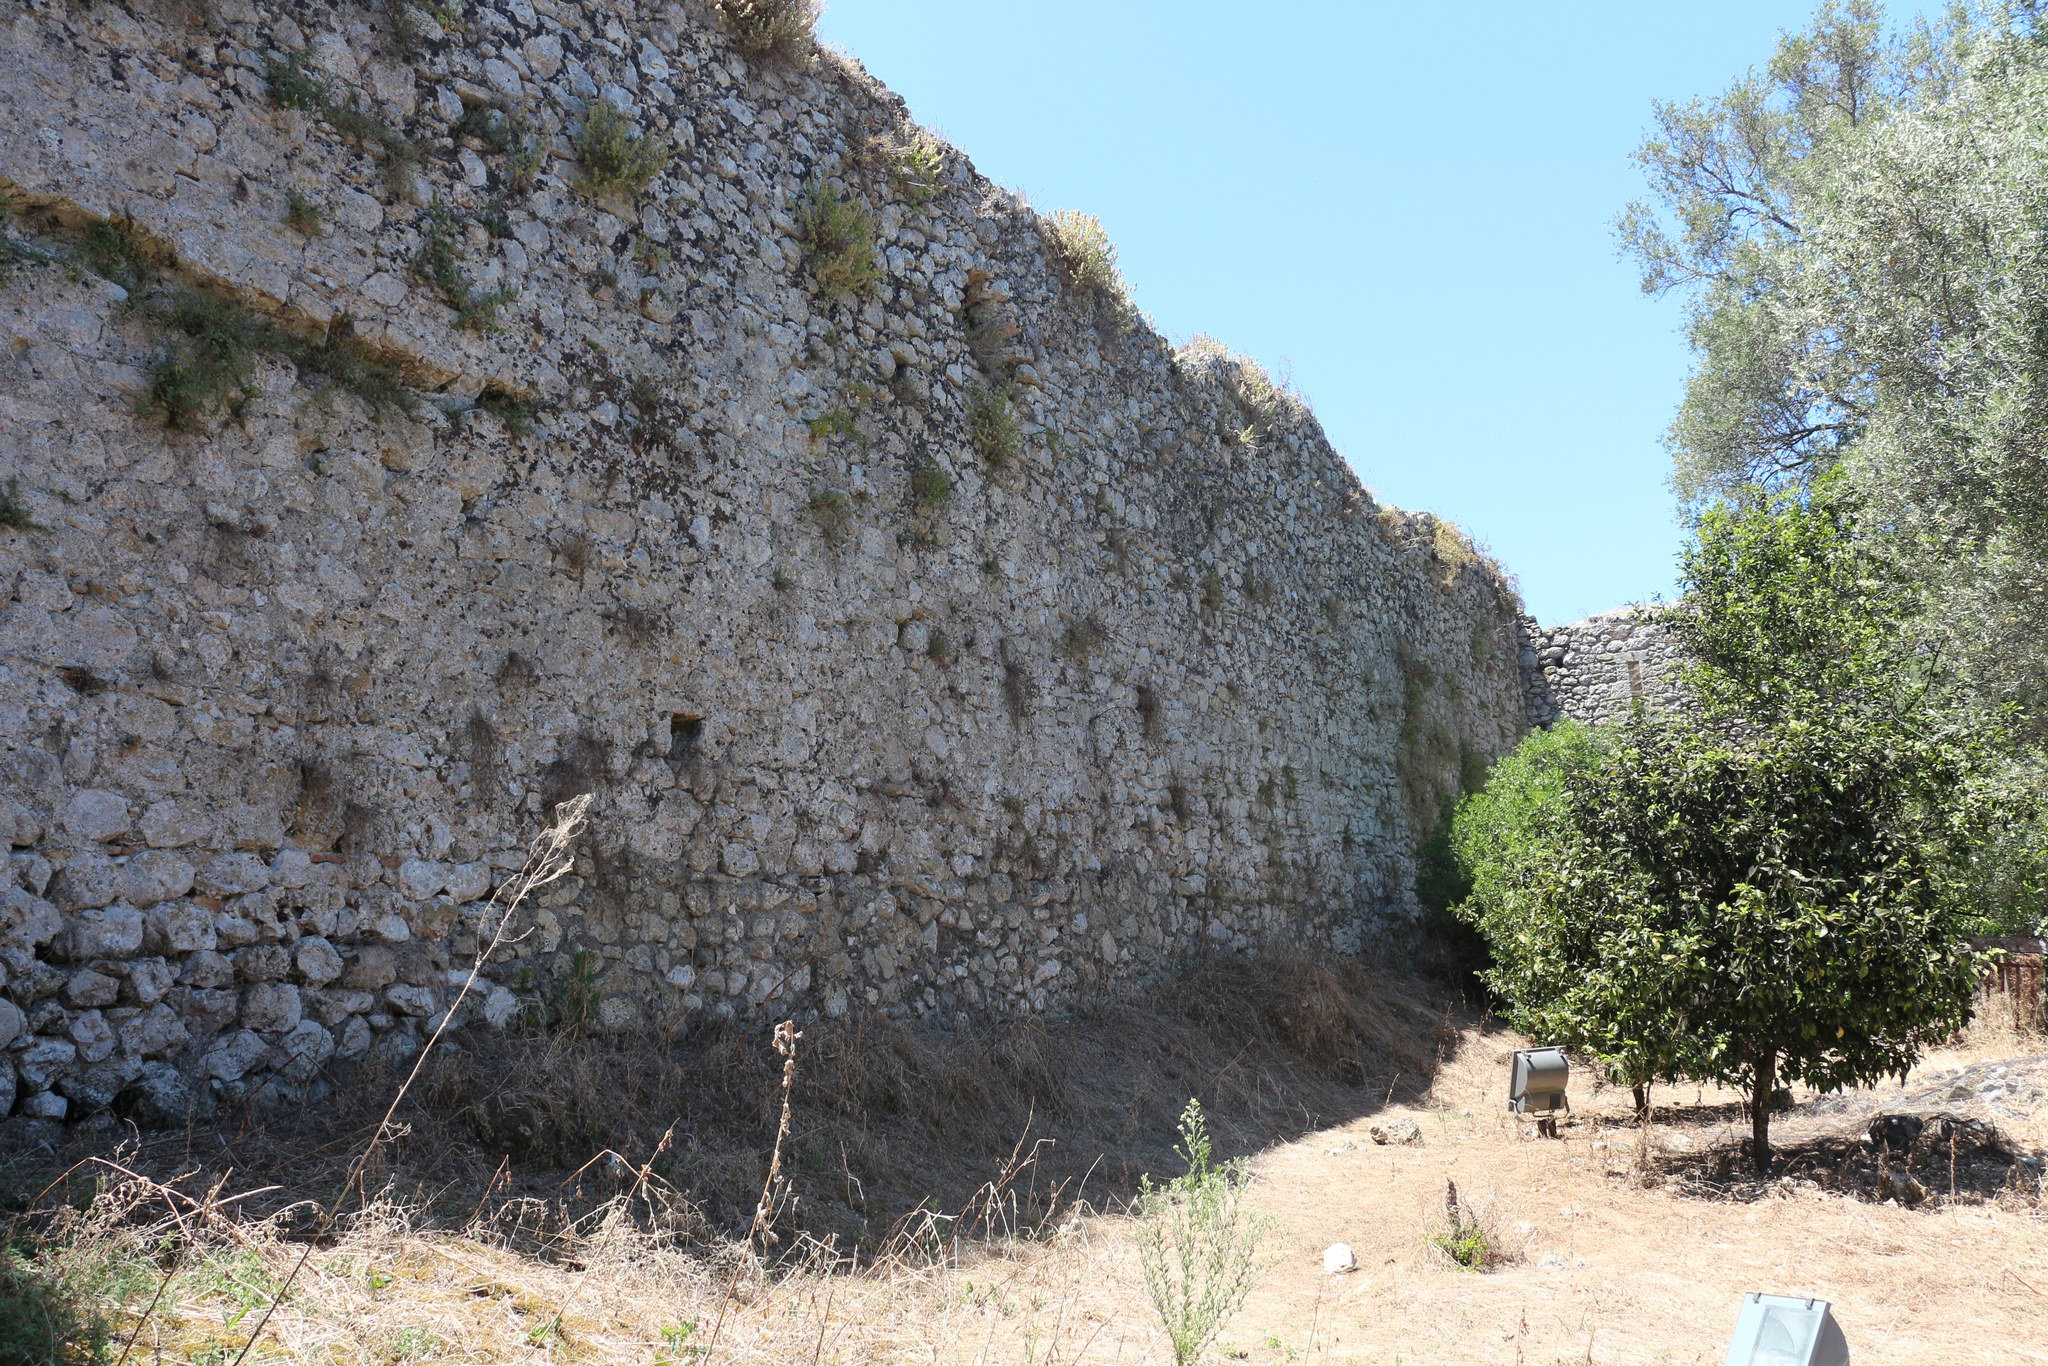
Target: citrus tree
1775	885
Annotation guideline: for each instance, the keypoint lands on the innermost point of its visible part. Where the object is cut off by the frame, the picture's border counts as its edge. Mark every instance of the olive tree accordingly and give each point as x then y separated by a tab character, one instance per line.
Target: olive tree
1860	230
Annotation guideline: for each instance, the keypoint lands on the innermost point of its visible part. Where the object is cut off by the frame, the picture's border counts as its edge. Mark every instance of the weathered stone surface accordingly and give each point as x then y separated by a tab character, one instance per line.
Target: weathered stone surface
154	1033
19	825
26	920
1402	1132
316	960
270	1008
154	876
94	816
87	989
12	1022
179	928
1596	670
233	1056
148	981
421	878
86	881
1169	677
160	1097
108	932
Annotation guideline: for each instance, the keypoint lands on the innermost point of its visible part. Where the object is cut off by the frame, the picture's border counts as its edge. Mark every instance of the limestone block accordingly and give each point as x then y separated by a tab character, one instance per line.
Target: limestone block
105	932
159	1097
232	1057
148	981
93	1036
19	826
467	882
270	1007
94	816
27	921
154	1033
86	989
153	876
211	1009
374	967
411	1000
421	878
317	961
85	882
263	963
233	875
303	1049
207	969
179	928
166	825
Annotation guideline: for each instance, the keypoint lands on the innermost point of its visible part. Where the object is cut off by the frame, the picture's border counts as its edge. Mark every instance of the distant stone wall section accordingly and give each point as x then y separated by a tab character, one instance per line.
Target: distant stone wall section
873	724
1594	671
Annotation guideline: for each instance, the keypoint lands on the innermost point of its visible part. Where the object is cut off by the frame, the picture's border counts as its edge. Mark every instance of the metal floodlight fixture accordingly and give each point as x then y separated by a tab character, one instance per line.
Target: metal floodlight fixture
1536	1081
1786	1330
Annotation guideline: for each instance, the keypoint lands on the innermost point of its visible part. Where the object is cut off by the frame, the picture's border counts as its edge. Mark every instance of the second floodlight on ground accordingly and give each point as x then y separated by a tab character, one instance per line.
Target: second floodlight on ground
1786	1330
1536	1085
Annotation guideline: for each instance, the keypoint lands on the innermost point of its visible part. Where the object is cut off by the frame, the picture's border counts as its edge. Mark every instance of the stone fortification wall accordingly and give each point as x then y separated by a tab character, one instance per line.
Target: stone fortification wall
1595	670
876	719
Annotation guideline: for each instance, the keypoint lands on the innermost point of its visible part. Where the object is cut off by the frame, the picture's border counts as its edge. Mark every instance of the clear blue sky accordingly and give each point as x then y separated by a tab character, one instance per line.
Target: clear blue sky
1406	205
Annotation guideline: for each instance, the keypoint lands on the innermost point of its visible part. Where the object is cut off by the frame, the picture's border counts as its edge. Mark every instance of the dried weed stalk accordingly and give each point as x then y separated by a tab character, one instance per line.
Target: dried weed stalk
551	855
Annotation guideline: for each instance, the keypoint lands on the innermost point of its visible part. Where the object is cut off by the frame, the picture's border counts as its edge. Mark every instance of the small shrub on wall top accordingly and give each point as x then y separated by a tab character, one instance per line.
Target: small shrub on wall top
1086	257
773	30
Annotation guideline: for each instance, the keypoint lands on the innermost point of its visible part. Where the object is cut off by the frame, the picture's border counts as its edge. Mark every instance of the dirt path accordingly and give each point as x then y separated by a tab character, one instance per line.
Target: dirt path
1615	1265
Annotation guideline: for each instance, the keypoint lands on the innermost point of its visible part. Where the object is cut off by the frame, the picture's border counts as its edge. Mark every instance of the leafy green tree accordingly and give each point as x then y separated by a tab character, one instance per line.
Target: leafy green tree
1787	607
1762	908
1774	886
1861	231
1502	839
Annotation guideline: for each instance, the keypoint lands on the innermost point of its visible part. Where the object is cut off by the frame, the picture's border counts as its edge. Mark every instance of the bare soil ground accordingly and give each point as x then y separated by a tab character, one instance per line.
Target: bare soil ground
1612	1247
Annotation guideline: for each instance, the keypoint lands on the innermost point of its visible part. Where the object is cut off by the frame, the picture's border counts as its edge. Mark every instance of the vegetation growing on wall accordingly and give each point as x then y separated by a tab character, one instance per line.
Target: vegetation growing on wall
773	30
838	236
1086	259
617	158
294	86
992	427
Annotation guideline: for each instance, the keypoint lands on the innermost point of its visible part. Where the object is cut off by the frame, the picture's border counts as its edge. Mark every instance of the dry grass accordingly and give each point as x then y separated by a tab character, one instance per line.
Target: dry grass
1080	247
773	30
627	1256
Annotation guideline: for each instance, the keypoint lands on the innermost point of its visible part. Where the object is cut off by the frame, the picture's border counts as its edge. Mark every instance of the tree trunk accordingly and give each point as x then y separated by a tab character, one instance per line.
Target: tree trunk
1765	1084
1641	1092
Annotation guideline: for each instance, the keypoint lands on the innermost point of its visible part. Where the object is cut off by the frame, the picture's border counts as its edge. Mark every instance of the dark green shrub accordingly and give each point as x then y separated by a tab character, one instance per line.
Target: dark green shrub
832	510
838	236
617	159
930	486
992	427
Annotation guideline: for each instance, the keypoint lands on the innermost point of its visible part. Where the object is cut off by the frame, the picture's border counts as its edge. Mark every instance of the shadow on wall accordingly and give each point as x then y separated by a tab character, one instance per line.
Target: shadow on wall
889	1119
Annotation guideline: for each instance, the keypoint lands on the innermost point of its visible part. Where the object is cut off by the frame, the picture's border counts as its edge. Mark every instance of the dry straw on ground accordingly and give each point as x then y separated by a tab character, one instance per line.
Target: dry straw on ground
463	1256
